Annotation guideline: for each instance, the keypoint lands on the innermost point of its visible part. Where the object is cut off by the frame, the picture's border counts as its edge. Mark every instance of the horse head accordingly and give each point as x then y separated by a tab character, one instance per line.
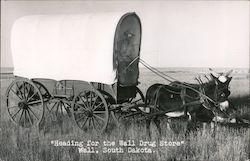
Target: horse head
221	93
221	82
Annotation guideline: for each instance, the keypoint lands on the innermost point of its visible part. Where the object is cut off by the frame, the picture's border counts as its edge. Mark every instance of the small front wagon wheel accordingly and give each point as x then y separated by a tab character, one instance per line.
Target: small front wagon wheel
24	103
90	111
136	108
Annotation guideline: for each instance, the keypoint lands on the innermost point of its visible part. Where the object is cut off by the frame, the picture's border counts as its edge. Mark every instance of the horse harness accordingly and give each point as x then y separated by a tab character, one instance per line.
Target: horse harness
201	99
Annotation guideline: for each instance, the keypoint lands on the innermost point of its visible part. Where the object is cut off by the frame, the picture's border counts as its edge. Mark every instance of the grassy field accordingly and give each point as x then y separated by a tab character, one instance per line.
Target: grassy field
228	143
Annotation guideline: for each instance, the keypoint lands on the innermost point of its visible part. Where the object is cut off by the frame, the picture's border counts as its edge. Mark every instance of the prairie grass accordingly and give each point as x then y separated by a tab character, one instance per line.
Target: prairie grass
226	144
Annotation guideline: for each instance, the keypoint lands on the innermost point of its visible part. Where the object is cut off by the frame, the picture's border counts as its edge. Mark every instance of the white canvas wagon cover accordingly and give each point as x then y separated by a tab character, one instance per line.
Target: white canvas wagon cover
74	47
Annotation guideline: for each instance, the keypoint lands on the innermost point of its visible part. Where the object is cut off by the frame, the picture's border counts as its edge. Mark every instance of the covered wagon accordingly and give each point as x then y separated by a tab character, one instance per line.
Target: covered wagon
85	65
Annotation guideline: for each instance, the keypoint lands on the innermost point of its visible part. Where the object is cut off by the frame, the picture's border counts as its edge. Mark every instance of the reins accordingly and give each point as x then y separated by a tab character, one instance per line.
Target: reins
185	85
178	83
168	78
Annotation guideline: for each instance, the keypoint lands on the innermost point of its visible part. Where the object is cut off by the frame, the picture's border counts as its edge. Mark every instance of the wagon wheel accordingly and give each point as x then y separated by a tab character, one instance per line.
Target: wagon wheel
54	106
90	111
24	103
134	110
59	107
110	101
138	99
44	91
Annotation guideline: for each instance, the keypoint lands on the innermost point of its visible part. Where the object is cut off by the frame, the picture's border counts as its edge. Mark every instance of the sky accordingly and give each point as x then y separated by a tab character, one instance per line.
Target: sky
174	33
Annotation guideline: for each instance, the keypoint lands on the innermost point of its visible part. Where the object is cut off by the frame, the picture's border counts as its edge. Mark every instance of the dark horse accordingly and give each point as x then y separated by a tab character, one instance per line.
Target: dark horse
202	102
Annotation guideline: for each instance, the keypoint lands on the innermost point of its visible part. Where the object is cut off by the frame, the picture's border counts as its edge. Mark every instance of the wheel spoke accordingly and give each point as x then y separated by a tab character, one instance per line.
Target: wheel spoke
30	120
28	93
27	89
18	88
39	88
98	106
67	104
60	106
81	118
33	113
32	96
24	90
94	118
83	103
84	122
16	113
57	107
93	122
13	107
53	106
34	108
99	117
81	106
87	100
99	112
89	119
21	116
15	92
13	99
90	103
94	103
35	102
64	106
24	118
79	112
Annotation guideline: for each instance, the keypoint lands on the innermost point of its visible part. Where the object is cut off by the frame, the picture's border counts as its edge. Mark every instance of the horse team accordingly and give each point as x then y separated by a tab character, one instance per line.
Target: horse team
198	103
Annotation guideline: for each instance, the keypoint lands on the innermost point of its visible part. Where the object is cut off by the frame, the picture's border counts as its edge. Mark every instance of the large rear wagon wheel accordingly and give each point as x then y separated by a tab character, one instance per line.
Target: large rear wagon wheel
90	111
44	91
24	103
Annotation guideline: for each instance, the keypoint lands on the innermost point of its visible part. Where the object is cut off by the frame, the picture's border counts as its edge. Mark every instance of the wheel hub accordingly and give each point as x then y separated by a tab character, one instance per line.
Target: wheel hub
23	105
90	113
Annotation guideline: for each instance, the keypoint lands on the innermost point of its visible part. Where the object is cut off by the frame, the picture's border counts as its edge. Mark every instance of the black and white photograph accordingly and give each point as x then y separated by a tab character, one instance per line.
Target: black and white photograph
124	80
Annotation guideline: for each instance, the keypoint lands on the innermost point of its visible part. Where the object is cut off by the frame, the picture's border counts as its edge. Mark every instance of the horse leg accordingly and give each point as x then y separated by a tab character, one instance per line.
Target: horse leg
150	126
148	121
204	128
182	95
157	122
214	124
193	122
